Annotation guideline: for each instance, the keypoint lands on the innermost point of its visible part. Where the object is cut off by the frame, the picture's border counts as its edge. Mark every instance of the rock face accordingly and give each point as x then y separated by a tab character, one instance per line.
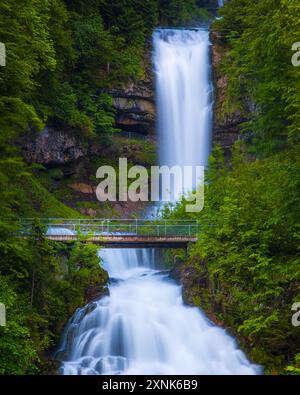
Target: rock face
52	147
227	116
191	281
135	104
197	288
134	114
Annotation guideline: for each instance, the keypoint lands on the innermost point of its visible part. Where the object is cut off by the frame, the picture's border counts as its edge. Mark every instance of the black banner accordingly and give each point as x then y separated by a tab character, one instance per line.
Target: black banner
133	384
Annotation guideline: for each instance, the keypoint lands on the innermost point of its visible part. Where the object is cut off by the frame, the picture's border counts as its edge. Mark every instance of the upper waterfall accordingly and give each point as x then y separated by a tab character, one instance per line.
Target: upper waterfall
184	99
184	102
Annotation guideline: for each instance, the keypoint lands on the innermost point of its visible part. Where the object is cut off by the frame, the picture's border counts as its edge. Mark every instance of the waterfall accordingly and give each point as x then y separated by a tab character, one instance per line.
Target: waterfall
184	98
221	3
143	326
181	61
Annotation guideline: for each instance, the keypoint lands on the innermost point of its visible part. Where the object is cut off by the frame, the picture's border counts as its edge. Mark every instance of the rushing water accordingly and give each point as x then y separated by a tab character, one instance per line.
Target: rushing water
181	61
142	326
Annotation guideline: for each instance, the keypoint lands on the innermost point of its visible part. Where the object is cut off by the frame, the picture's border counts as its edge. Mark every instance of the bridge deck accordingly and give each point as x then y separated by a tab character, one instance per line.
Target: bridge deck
115	232
126	241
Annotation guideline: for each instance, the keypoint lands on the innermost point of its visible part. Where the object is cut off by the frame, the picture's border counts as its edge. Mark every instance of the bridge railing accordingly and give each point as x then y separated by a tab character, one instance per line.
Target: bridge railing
98	227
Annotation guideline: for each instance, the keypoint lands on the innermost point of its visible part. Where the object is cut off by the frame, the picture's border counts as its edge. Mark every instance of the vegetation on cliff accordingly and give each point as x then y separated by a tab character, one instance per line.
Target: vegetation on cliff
42	283
262	82
61	55
247	258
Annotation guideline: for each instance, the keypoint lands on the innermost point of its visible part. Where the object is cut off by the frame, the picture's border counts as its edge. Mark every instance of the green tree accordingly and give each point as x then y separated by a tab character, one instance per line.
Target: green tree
260	35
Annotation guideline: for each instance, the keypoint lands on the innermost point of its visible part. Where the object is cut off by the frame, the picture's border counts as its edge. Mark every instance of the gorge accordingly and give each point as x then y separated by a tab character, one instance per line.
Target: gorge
143	326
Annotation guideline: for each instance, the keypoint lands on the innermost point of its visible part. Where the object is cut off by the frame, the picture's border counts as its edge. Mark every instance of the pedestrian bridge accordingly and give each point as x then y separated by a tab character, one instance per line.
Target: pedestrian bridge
127	233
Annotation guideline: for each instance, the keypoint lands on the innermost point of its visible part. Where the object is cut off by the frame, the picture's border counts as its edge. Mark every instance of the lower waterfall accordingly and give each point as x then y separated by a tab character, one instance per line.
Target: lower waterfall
143	327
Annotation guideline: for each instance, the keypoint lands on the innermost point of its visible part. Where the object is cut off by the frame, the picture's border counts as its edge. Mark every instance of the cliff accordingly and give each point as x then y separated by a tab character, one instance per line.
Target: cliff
135	107
228	118
71	162
53	146
135	102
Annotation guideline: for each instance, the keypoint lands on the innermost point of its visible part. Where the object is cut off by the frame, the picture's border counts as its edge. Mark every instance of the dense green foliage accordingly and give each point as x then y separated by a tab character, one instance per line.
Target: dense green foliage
248	252
262	80
181	13
42	283
63	55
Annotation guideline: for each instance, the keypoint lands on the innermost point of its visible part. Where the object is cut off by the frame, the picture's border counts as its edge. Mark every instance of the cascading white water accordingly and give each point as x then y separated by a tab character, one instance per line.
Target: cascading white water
184	97
143	327
181	61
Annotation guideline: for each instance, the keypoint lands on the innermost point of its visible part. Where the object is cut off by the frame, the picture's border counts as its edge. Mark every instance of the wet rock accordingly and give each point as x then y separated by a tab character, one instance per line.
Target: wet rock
94	293
191	280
